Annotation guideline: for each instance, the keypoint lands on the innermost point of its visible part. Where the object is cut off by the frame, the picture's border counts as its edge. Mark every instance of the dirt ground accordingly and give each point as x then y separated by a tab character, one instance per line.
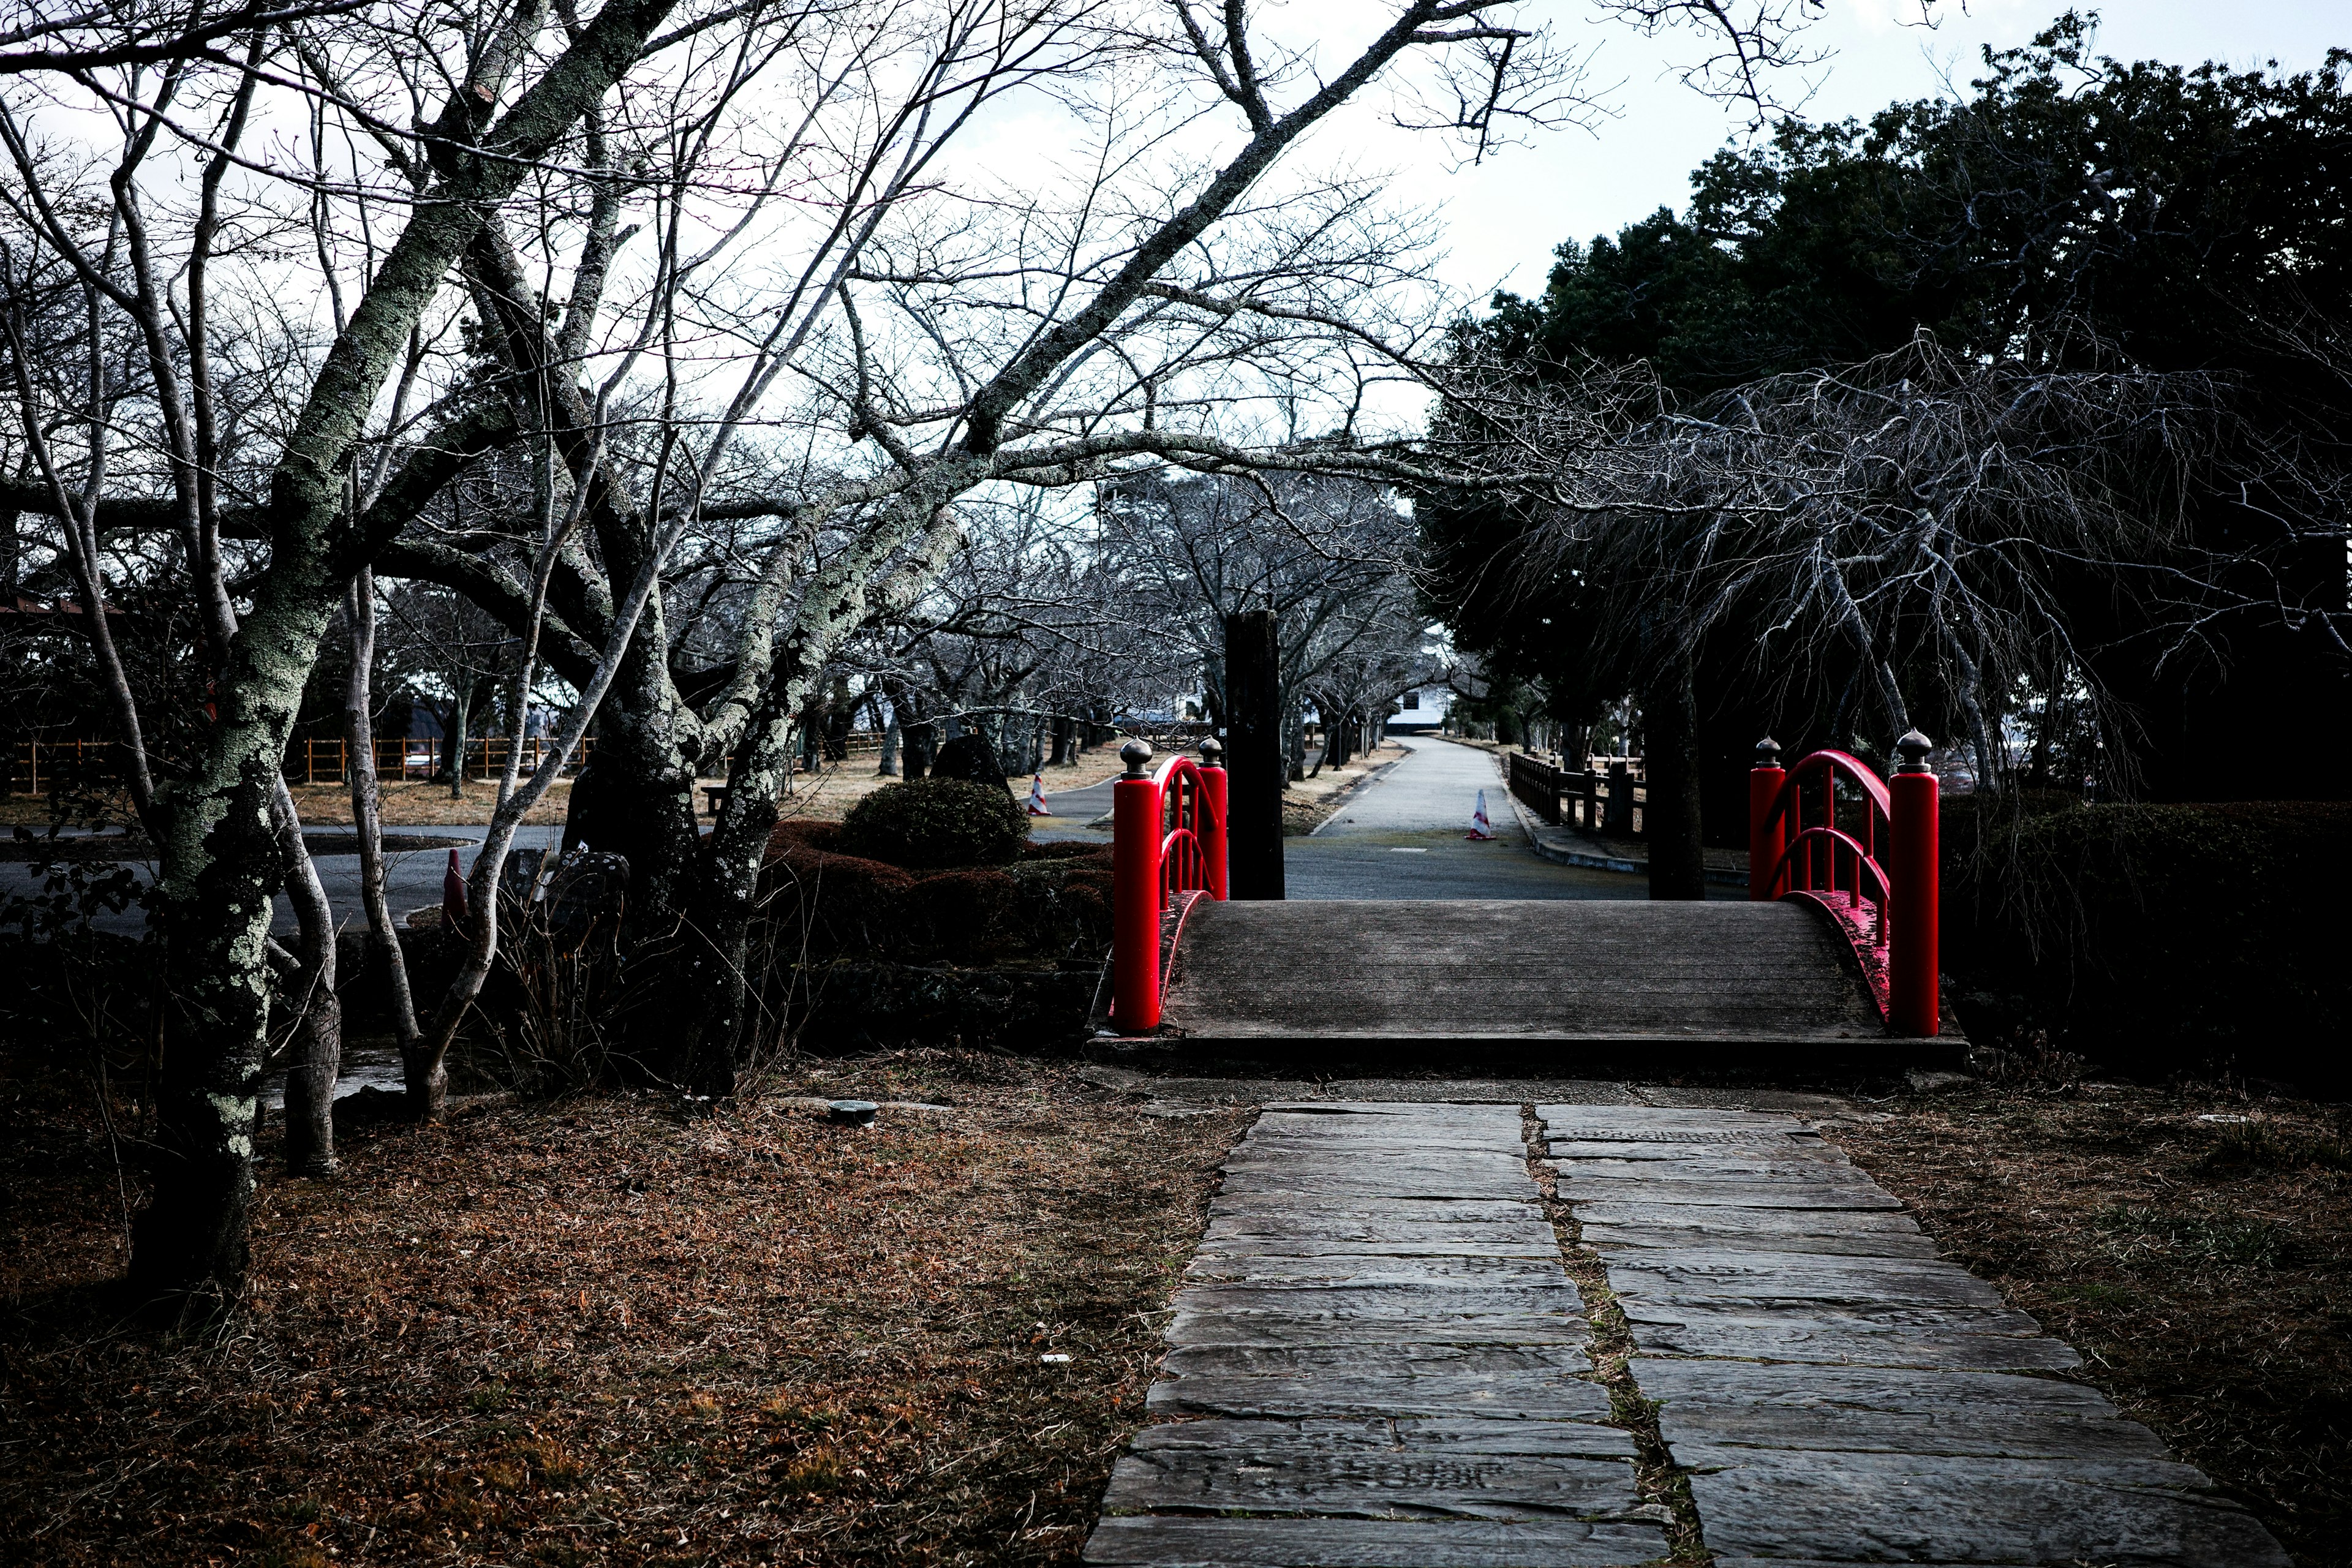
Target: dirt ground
602	1333
599	1331
2194	1244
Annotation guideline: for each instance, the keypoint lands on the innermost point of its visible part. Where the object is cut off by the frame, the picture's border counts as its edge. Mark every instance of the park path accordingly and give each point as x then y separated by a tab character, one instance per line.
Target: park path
1403	835
1378	1360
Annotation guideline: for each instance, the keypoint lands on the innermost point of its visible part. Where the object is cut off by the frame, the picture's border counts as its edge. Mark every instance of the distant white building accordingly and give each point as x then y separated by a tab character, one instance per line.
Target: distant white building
1423	708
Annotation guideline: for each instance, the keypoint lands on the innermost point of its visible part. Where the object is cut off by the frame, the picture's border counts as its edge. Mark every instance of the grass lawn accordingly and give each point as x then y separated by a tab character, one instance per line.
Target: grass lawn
599	1332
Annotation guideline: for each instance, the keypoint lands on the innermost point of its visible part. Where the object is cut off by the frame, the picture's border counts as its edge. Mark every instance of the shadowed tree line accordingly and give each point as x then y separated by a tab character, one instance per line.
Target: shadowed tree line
2016	415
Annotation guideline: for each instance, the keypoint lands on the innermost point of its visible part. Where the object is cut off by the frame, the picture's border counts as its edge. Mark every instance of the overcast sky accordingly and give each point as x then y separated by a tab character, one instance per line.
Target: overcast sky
1504	218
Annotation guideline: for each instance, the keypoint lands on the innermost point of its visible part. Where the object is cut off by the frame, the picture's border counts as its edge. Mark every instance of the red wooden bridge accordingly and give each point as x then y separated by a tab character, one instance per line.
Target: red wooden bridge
1836	947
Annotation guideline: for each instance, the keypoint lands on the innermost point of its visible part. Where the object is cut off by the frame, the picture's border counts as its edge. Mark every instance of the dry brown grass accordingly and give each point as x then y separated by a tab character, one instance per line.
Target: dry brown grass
604	1333
416	804
2203	1267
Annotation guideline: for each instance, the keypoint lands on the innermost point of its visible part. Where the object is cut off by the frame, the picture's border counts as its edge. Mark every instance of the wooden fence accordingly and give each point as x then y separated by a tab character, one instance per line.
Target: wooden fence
324	762
1608	801
38	765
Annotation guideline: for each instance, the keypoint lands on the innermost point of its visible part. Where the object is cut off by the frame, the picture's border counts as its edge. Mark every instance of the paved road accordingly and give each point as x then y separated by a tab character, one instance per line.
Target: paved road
1403	836
1379	1356
412	878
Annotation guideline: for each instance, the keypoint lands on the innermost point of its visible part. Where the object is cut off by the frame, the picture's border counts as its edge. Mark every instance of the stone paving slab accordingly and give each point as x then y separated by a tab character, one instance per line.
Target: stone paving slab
1863	1409
1720	1278
1388	1269
1423	1397
1914	1336
1835	1404
1879	1507
1295	1328
1312	1543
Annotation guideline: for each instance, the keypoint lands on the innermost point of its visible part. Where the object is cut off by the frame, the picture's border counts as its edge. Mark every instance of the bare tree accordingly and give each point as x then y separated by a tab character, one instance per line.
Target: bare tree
1905	533
335	258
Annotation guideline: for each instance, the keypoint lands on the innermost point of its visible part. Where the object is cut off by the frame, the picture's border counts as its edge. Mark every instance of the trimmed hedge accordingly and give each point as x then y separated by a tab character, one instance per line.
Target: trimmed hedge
2155	939
1052	904
926	824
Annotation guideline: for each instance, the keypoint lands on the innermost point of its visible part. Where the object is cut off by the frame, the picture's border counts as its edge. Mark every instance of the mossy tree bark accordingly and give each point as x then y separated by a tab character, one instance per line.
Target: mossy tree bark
218	845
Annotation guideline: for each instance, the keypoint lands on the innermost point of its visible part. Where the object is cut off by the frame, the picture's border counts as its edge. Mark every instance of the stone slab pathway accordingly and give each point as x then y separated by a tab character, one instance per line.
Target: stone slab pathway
1379	1361
1378	1358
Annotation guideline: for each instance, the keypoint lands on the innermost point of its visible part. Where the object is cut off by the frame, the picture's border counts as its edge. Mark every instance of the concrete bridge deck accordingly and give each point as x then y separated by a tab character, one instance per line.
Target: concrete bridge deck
1590	972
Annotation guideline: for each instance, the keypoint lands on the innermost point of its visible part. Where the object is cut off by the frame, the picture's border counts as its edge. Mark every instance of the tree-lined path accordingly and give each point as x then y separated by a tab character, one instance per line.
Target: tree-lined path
1402	836
1379	1360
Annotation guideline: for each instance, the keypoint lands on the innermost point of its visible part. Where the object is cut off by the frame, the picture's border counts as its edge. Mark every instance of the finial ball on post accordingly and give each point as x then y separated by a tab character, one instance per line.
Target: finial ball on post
1137	755
1768	752
1213	752
1913	748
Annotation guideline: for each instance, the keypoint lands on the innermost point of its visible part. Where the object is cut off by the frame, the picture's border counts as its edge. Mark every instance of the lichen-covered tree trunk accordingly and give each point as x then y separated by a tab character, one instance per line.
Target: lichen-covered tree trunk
220	867
219	848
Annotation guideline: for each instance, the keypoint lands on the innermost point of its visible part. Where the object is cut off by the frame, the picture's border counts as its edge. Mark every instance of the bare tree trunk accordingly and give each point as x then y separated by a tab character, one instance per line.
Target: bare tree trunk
318	1041
454	737
1670	816
367	807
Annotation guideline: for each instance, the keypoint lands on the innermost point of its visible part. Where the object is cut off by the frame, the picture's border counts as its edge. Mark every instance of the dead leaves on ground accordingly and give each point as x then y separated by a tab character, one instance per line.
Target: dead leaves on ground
606	1335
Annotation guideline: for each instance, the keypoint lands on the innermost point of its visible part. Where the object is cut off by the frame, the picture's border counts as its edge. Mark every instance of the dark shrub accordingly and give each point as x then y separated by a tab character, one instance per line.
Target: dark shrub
1051	905
2155	939
973	758
928	824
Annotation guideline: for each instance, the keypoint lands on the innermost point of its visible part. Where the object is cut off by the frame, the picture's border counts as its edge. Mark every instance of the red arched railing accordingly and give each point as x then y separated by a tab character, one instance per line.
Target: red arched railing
1184	828
1168	840
1871	866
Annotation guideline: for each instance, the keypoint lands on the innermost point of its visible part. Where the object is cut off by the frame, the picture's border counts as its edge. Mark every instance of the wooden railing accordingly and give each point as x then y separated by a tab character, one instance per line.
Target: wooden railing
1613	803
326	762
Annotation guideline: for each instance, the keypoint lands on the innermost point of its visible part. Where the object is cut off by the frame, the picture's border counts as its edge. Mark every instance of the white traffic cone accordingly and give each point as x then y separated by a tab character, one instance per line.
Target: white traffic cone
1480	828
1037	795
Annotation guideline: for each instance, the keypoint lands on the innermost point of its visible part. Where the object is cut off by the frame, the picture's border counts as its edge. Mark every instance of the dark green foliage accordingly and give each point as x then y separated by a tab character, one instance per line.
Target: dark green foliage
2155	939
2070	209
926	824
970	758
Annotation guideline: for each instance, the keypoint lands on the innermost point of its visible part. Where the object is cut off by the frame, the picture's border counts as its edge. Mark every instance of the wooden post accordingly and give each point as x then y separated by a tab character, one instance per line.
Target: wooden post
1135	894
1914	997
1213	824
1254	755
1619	820
1766	833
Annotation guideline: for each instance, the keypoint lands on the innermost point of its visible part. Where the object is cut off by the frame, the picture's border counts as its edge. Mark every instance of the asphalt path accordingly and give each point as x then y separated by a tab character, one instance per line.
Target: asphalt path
1404	834
1401	834
412	877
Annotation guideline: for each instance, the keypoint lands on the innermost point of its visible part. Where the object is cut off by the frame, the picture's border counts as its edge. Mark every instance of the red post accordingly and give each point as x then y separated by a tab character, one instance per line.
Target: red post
1914	997
1767	829
1135	894
1213	819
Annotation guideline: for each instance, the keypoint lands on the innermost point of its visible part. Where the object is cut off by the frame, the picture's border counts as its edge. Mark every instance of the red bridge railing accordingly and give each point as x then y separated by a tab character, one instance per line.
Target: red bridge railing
1872	866
1168	832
